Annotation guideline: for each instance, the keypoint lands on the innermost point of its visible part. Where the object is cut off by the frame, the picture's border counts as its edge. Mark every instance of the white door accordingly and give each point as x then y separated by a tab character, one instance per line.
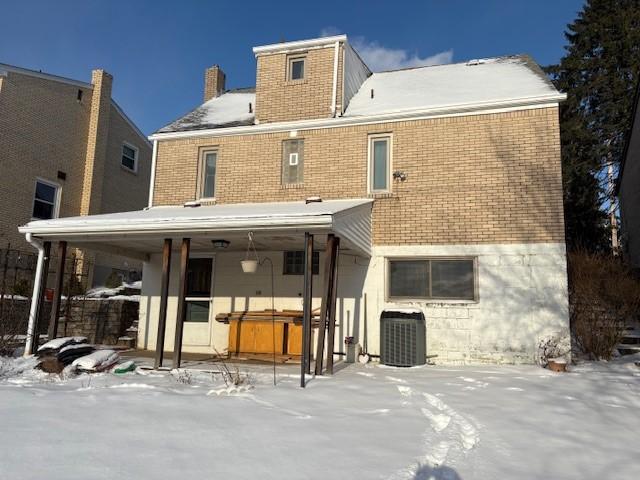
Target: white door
199	300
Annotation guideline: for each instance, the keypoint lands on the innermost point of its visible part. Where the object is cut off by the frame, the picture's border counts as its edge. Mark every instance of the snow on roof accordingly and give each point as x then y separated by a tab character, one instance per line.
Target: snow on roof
479	81
184	214
230	109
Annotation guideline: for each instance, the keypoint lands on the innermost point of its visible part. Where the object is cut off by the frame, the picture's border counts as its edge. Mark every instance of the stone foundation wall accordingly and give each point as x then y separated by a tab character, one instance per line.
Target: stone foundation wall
100	320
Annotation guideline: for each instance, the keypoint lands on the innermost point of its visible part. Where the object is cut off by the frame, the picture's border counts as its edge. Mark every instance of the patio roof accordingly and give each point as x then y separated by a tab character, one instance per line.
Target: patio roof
276	225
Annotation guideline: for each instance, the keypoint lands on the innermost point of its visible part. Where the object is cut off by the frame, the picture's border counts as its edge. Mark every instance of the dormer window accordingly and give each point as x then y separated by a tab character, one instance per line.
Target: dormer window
295	67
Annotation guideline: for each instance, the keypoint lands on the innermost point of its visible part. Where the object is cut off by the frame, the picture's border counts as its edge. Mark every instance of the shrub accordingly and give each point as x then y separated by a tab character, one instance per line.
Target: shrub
114	280
604	298
22	287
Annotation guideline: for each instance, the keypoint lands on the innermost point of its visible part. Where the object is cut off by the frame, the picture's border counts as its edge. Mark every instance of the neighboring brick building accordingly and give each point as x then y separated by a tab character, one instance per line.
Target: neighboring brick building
444	184
66	149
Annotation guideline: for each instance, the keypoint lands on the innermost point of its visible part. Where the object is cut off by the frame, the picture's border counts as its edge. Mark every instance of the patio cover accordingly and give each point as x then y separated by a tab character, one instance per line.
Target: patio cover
276	225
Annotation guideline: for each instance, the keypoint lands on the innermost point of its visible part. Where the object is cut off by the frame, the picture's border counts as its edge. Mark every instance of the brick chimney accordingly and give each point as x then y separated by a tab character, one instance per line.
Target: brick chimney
214	79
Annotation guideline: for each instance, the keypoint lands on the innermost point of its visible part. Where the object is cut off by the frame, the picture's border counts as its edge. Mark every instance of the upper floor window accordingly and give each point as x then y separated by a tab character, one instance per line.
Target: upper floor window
208	174
295	67
46	200
292	162
129	157
380	163
431	279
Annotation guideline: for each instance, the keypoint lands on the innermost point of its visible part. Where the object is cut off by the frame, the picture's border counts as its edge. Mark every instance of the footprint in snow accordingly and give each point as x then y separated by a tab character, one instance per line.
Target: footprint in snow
395	379
439	421
404	391
515	389
365	374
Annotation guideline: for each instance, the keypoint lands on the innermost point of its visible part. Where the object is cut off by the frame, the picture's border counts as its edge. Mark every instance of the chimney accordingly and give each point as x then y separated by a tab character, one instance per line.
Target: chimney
213	82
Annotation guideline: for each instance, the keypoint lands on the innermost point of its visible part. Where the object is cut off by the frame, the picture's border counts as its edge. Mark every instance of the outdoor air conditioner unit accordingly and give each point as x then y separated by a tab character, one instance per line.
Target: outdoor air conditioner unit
403	338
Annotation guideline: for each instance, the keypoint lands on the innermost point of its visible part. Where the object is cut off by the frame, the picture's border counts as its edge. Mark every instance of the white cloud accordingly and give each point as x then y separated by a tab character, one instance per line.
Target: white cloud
379	58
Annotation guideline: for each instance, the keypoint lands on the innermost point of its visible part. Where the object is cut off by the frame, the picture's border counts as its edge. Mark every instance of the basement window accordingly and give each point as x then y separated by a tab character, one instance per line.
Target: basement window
292	162
295	67
294	263
431	279
129	158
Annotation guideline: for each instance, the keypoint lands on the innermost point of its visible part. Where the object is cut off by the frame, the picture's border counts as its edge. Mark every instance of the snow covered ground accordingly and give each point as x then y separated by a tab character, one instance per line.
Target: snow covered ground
367	422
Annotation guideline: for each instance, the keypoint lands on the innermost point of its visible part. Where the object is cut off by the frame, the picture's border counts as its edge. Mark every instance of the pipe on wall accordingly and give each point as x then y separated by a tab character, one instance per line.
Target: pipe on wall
33	311
152	180
335	78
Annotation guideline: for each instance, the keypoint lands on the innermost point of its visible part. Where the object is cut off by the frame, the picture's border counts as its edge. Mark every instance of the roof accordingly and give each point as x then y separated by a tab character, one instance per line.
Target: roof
475	82
351	219
227	110
508	81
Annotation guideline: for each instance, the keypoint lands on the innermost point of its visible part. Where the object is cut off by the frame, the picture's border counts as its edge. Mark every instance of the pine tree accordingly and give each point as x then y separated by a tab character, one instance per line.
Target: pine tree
599	73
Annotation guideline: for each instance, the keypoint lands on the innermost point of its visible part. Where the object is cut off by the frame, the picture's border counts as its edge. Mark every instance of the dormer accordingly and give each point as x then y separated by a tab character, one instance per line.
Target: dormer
307	79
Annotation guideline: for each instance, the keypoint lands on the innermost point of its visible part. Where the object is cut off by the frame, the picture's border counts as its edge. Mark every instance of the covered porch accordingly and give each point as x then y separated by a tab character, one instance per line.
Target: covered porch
192	258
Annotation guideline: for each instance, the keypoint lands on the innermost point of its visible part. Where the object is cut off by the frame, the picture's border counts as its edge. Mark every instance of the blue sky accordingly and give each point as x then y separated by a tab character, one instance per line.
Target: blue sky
158	50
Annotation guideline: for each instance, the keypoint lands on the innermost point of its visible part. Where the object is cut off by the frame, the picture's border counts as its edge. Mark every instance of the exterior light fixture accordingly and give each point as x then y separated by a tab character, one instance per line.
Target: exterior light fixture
220	244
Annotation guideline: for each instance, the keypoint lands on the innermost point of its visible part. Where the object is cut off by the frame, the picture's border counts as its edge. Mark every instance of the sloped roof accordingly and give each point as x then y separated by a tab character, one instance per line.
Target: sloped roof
488	81
231	109
484	83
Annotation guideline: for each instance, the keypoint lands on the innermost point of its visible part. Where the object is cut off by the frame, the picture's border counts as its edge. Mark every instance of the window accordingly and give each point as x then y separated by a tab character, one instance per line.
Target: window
294	263
45	201
129	157
292	162
379	163
198	298
208	174
295	68
431	279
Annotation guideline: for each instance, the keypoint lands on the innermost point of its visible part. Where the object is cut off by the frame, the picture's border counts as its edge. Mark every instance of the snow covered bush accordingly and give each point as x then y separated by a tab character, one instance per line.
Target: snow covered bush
604	297
553	346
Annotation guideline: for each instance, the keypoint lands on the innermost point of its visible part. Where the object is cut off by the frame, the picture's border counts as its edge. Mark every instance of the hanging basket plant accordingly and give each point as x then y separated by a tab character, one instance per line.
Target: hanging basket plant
250	262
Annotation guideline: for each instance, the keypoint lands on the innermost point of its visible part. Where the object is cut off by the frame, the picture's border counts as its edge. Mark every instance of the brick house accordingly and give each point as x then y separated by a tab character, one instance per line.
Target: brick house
442	184
66	149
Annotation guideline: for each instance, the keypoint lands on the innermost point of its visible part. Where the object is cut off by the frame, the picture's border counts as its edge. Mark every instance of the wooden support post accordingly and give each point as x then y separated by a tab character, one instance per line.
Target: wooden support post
182	305
164	294
43	286
57	294
326	297
331	313
305	365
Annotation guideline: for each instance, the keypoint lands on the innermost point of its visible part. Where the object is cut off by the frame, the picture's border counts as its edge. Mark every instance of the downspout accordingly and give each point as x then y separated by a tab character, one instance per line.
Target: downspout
154	155
335	78
33	311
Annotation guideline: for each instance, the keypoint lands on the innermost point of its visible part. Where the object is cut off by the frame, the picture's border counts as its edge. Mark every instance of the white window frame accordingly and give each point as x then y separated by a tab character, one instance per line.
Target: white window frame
56	204
135	158
290	61
371	139
387	280
210	298
203	156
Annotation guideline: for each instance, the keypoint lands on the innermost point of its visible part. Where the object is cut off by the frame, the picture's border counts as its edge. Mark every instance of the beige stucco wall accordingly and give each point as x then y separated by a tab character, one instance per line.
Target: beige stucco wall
522	299
493	178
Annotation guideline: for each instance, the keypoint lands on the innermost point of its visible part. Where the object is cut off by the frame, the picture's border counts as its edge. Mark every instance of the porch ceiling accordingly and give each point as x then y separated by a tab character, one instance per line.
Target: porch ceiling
276	226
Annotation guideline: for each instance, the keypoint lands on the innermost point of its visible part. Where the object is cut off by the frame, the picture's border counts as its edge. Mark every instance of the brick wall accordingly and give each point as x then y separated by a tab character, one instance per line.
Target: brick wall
492	178
44	129
280	100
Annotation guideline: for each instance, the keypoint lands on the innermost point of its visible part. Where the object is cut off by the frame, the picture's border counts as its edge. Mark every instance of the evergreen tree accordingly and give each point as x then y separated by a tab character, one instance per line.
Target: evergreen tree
599	74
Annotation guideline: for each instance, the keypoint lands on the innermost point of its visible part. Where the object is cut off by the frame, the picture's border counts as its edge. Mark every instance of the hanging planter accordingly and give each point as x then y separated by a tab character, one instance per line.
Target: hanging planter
250	262
249	266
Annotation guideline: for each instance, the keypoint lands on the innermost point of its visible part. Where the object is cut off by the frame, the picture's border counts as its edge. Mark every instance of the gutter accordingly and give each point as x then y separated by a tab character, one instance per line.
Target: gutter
152	181
478	108
37	282
334	93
